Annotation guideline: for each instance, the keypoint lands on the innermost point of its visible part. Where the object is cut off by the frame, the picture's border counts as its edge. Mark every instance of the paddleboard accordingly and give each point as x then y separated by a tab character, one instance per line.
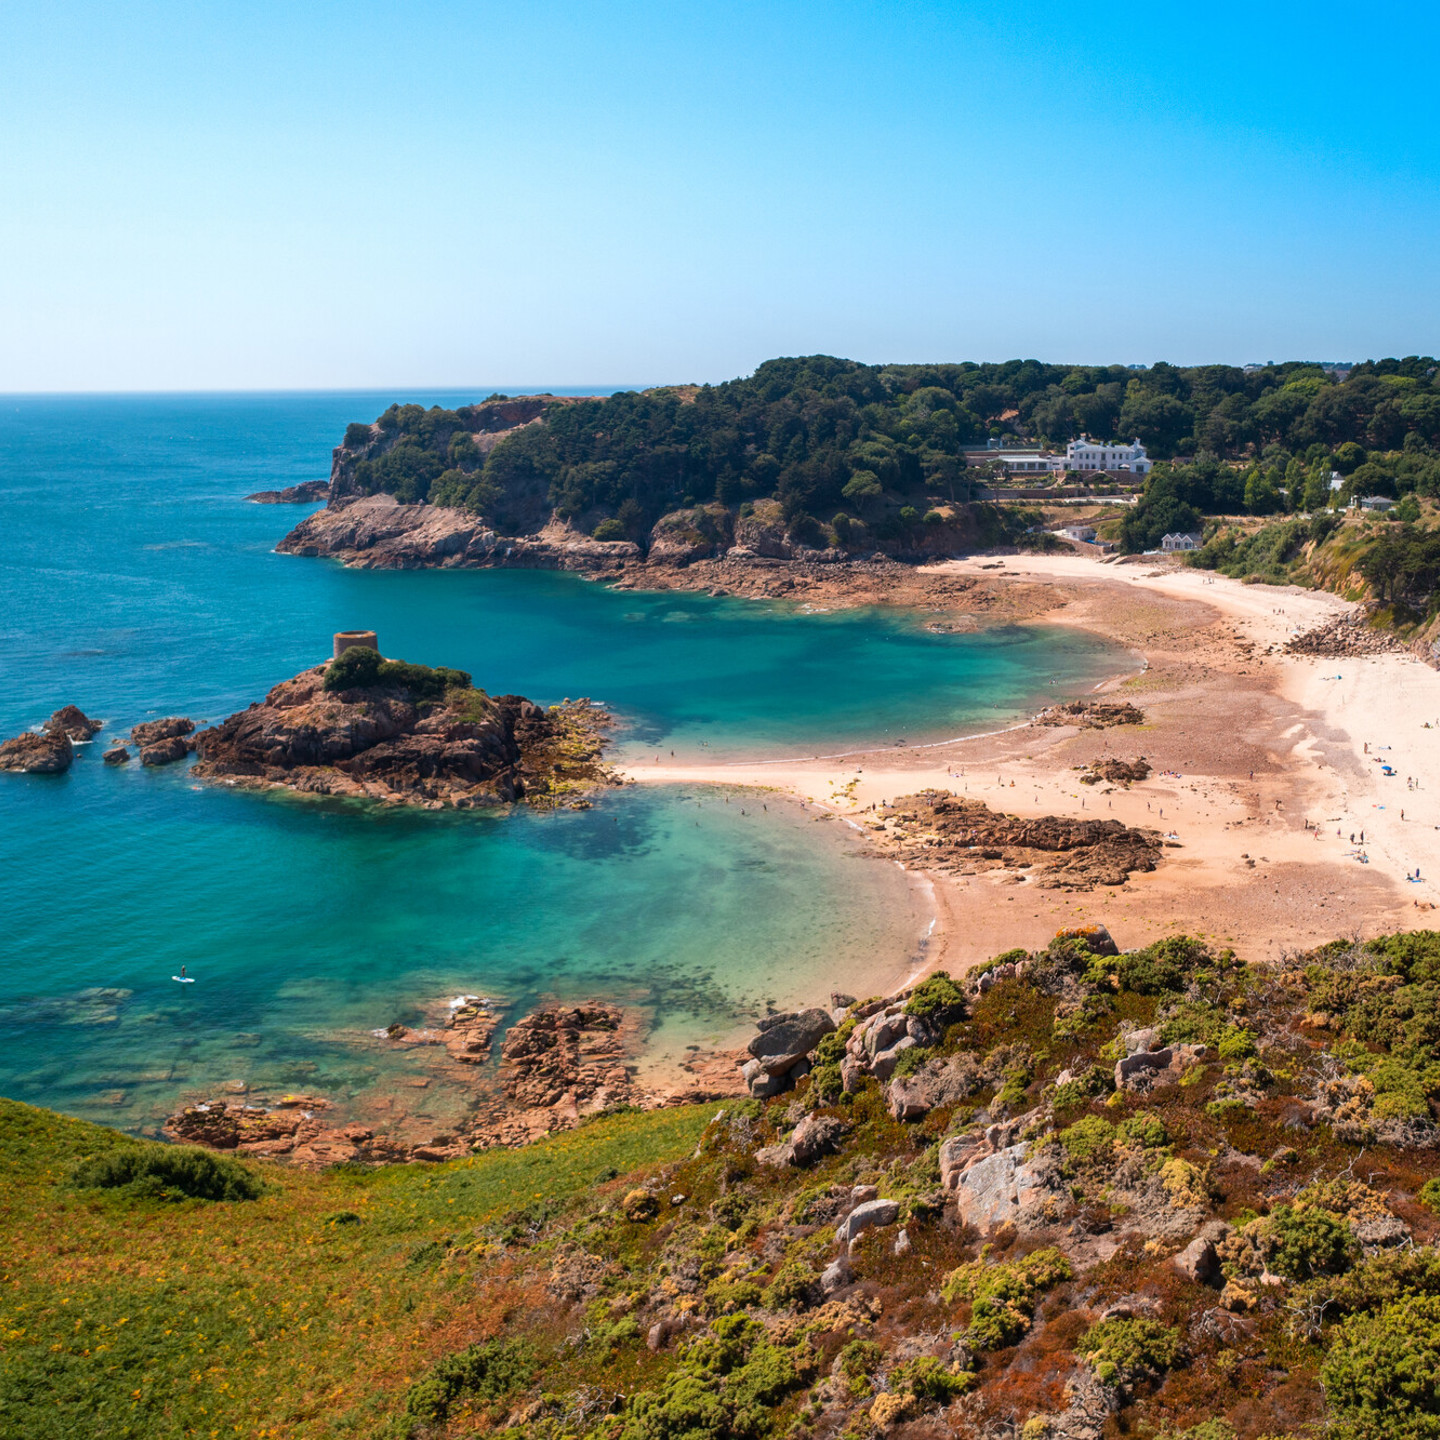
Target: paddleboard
182	979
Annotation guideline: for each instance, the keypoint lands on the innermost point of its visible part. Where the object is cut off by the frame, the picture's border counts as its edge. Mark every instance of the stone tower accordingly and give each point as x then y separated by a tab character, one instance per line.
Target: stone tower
344	639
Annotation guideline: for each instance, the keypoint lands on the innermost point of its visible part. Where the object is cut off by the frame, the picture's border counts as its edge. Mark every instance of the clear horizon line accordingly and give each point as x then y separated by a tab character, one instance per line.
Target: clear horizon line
514	390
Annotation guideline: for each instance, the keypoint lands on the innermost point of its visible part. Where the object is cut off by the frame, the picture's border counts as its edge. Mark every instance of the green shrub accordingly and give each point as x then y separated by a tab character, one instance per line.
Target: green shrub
480	1372
911	1060
1429	1195
937	997
1144	1129
1004	1295
1121	1348
927	1378
725	1388
1088	1141
1304	1243
361	668
725	1297
1237	1043
608	530
792	1287
1160	969
996	1324
1382	1373
167	1172
858	1361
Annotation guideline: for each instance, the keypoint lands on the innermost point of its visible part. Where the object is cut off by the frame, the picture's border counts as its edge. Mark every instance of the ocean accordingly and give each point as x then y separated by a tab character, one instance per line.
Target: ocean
137	582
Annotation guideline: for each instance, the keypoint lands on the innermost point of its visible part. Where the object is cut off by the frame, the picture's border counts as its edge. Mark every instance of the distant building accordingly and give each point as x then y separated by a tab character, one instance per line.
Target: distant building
1087	454
1017	459
1085	533
1172	543
1376	502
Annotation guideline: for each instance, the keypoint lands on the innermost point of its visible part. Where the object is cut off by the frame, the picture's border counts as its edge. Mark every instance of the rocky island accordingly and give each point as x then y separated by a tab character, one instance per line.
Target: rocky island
376	729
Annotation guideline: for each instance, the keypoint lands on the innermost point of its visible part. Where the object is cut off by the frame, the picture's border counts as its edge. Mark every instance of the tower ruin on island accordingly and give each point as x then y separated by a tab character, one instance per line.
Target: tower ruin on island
347	639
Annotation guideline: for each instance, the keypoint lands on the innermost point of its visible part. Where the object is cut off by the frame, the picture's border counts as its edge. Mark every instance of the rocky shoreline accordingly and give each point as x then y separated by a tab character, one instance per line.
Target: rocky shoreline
556	1066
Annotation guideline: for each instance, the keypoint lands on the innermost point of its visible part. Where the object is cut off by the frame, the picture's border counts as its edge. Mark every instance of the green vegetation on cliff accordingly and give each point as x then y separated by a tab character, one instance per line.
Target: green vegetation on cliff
1232	1240
829	438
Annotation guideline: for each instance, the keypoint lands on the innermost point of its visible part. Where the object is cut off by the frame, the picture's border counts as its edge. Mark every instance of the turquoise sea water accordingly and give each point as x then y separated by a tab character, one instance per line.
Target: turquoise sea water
136	581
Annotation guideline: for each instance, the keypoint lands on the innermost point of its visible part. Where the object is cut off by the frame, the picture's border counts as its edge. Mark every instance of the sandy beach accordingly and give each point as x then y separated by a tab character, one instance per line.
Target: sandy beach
1265	765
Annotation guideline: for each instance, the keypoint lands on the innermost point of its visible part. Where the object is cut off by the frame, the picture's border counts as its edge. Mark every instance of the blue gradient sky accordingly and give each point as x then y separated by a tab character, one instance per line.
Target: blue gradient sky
209	195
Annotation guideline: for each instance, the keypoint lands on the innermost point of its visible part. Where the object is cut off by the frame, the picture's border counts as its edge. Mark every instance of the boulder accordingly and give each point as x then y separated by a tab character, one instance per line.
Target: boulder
165	752
998	1189
882	1067
1138	1041
852	1072
118	756
816	1135
31	754
1199	1262
866	1217
787	1039
936	1083
957	1153
836	1275
71	720
1147	1064
883	1032
151	732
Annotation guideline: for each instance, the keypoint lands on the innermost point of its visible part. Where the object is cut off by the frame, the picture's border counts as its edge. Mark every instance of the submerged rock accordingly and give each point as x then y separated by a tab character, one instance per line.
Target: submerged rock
117	756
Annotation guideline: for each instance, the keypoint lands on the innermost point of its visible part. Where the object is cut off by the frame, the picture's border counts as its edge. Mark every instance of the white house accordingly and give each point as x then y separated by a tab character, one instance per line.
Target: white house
1017	459
1087	454
1179	541
1084	533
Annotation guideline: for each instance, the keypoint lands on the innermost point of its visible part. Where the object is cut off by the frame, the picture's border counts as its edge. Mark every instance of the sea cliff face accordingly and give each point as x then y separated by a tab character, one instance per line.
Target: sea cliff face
384	742
376	532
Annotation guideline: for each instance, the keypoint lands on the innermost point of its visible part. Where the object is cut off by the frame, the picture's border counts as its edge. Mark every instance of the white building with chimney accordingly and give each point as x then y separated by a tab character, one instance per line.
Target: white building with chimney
1087	454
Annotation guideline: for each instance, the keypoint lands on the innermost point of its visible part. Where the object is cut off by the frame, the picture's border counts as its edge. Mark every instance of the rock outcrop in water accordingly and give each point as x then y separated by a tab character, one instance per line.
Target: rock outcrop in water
305	493
163	742
51	751
43	754
409	738
71	720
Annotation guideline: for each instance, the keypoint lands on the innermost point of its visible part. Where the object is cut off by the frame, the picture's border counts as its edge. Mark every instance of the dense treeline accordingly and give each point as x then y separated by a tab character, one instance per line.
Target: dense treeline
1177	497
821	434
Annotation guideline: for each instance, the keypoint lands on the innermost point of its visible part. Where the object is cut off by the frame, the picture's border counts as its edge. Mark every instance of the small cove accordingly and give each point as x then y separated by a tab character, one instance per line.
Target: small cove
138	583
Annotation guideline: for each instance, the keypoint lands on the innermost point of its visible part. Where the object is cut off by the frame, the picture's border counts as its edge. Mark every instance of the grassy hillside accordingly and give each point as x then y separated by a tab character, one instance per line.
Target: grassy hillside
674	1276
306	1312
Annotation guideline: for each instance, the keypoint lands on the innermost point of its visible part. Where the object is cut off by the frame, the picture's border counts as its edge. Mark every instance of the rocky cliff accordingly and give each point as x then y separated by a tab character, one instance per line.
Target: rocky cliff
399	741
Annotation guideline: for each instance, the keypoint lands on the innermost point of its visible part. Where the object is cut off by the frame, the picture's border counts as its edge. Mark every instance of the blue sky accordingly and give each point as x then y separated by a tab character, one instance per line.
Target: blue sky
324	195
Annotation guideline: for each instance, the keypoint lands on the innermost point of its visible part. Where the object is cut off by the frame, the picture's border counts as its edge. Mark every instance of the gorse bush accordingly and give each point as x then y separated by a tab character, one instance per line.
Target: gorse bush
938	998
1303	1243
1382	1373
361	668
481	1372
1004	1295
167	1172
725	1387
1119	1349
